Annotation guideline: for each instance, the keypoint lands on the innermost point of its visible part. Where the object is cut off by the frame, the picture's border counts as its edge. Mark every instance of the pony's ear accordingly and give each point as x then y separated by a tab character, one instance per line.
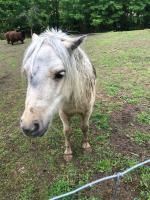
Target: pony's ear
34	37
74	42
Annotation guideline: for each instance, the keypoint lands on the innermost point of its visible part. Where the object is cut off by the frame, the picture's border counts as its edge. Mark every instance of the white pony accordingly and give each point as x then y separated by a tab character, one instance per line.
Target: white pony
60	78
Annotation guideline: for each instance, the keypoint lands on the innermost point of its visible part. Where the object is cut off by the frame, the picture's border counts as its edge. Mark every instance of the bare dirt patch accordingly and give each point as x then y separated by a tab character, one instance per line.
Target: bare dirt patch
124	117
121	143
123	125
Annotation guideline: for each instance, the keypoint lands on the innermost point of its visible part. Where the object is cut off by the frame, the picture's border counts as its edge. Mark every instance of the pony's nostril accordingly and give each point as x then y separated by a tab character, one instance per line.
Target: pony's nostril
36	126
29	131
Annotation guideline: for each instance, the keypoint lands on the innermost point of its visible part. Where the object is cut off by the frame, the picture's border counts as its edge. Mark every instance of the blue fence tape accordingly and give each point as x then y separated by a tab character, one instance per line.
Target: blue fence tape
118	176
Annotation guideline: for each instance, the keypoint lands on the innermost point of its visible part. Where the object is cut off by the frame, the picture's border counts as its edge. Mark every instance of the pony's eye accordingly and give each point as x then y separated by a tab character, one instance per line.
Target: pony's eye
60	74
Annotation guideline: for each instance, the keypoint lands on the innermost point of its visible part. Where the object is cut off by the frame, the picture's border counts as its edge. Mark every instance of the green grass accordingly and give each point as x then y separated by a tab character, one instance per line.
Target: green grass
59	186
143	118
141	138
27	192
101	121
104	166
35	168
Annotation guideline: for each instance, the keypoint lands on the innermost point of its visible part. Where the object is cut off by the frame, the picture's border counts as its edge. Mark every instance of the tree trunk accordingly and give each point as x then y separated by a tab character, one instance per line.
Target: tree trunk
31	31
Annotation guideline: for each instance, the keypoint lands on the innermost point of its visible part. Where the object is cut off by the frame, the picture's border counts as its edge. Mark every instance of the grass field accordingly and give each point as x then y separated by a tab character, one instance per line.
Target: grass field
34	169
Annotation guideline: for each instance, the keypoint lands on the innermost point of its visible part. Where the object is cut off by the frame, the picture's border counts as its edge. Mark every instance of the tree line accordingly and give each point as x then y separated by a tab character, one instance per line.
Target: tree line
74	15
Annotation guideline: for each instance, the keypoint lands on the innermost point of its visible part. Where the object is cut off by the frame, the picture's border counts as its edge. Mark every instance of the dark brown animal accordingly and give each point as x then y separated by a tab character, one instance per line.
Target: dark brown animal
14	36
7	37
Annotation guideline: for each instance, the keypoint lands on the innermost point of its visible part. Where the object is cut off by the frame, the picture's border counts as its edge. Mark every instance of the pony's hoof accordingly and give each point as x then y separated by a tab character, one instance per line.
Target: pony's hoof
68	157
86	147
87	150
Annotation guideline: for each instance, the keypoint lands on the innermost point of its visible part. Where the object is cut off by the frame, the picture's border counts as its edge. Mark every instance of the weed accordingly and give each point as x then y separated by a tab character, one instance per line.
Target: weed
26	193
144	181
58	187
104	166
101	121
90	198
130	100
112	89
141	138
102	138
143	118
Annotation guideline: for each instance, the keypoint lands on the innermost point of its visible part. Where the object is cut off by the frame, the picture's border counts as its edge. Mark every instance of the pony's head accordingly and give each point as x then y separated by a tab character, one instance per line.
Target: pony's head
48	67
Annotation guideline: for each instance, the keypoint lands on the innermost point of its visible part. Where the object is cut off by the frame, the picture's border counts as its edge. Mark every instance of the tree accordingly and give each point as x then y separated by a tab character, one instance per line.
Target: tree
74	15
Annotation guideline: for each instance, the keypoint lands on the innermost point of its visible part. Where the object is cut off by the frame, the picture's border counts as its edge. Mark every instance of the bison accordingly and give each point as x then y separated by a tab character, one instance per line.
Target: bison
14	36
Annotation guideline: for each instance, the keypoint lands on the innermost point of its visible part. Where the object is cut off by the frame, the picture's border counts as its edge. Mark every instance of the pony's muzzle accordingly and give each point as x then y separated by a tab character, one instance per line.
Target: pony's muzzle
33	129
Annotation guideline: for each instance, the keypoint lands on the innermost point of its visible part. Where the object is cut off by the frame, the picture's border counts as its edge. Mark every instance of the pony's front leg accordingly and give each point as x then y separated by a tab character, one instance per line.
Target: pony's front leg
67	131
85	127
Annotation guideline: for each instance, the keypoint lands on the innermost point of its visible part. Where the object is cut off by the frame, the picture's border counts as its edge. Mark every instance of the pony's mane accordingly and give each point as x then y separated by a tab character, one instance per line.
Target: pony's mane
77	65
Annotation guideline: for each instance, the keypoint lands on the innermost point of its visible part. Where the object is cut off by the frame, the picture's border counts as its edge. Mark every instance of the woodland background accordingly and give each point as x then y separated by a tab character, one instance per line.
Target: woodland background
77	16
